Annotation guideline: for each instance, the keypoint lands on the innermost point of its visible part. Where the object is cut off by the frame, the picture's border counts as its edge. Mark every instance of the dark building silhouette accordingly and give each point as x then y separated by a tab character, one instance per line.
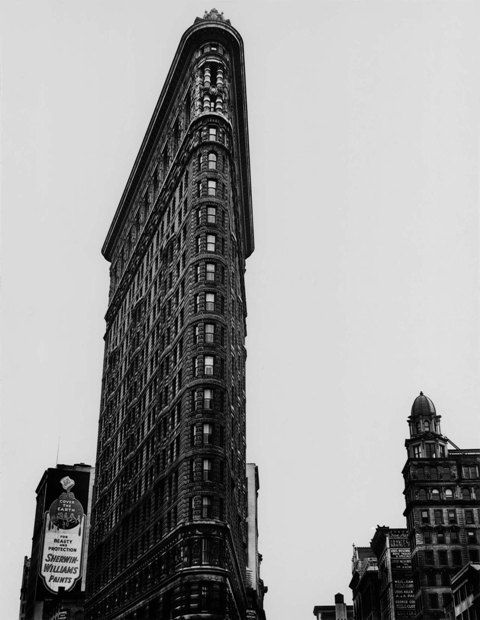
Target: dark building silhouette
23	590
169	530
365	584
53	585
442	495
255	588
466	594
338	611
392	548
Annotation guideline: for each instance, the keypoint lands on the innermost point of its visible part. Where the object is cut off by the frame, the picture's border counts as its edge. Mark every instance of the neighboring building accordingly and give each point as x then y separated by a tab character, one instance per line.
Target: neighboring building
57	570
365	584
392	548
169	526
466	594
442	493
23	590
339	611
255	587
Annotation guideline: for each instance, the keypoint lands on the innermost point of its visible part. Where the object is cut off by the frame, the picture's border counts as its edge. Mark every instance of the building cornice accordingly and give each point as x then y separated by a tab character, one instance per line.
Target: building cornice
201	32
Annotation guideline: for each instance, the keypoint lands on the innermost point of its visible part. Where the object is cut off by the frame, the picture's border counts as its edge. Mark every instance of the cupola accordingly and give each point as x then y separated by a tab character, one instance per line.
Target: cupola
426	440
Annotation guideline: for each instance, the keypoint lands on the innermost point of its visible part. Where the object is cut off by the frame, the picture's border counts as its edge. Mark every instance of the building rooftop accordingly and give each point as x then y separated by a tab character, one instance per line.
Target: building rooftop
423	405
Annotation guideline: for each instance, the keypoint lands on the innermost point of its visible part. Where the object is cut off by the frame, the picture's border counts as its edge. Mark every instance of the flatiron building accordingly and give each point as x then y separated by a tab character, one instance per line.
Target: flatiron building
169	524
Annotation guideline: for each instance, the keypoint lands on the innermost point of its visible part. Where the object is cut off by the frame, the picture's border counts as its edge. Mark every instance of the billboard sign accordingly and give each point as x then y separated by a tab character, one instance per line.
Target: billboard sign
63	536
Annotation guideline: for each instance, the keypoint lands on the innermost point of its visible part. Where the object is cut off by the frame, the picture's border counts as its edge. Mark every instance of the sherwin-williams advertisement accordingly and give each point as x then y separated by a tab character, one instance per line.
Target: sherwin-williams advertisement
64	531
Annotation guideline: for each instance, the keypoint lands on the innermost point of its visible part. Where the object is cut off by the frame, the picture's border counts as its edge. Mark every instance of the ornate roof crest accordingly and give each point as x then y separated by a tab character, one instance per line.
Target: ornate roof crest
213	15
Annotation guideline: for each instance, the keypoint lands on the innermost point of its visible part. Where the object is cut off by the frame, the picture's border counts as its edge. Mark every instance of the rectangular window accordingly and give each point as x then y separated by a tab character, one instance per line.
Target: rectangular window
425	517
438	516
207	434
427	538
470	471
208	367
454	536
473	555
206	507
207	398
429	558
443	558
209	302
209	332
207	470
210	272
469	517
212	133
211	243
211	215
433	601
457	557
199	245
452	516
197	334
471	537
212	161
441	538
212	187
205	551
197	303
203	597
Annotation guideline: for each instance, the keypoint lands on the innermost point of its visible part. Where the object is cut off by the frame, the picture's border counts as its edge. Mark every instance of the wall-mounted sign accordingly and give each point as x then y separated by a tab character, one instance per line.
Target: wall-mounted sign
64	530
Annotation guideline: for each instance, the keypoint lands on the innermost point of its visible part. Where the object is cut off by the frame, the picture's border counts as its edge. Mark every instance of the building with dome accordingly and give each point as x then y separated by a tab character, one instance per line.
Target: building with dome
442	496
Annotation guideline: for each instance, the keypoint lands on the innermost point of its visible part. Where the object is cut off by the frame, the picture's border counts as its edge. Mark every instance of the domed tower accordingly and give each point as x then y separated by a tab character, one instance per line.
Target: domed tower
426	439
442	493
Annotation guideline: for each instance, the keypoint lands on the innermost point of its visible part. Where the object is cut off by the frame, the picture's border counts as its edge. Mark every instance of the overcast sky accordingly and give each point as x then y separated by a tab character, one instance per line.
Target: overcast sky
362	290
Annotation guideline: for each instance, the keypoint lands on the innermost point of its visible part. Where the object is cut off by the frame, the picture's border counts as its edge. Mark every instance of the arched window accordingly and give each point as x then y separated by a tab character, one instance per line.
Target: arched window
212	161
422	494
435	494
426	425
466	494
448	494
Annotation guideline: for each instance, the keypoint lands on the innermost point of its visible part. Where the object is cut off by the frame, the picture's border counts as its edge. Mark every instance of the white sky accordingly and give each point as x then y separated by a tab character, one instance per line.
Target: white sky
363	289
